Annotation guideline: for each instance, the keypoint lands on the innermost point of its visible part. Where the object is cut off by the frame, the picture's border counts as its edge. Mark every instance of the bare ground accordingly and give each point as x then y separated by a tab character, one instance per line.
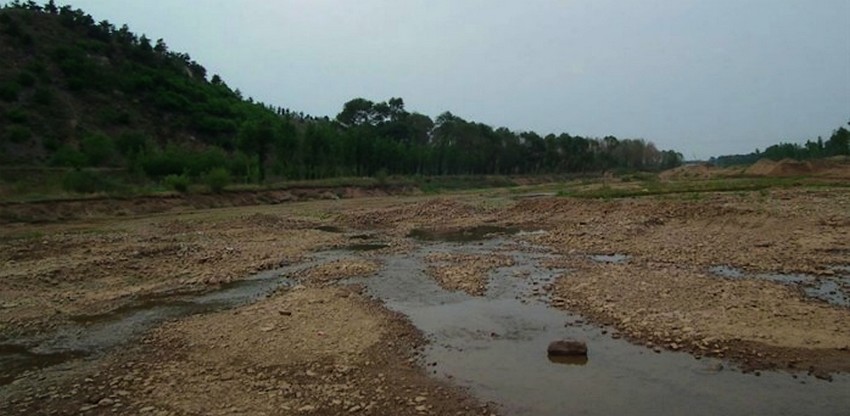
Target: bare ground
327	349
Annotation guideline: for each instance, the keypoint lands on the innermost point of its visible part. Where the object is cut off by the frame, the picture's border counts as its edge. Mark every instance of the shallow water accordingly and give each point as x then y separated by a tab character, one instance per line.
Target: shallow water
477	233
831	289
496	346
366	246
90	335
610	258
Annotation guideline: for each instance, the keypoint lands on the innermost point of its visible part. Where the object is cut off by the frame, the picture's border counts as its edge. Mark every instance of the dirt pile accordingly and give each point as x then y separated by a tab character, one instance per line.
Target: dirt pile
784	167
466	272
329	273
696	171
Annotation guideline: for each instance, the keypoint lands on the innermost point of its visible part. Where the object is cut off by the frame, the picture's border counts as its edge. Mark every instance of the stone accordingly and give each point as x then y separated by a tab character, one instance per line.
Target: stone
567	348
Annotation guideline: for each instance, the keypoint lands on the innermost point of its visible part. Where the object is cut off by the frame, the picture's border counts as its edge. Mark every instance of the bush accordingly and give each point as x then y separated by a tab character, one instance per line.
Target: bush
68	156
97	148
43	96
26	79
17	134
16	115
113	116
206	161
84	182
179	183
9	91
50	143
217	179
129	144
382	177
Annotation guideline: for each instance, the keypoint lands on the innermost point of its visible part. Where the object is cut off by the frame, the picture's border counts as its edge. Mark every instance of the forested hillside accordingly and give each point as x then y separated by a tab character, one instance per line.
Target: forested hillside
86	97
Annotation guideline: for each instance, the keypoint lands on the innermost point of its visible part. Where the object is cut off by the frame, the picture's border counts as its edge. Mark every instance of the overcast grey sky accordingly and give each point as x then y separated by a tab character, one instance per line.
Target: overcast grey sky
705	77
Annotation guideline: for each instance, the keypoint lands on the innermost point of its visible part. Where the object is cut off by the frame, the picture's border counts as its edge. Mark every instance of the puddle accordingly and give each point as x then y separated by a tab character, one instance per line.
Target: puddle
495	345
831	289
478	233
15	359
367	246
91	335
568	360
330	229
610	258
726	271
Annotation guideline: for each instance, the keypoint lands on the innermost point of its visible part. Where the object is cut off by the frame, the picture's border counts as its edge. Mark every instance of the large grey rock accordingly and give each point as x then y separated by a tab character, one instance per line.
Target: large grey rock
565	348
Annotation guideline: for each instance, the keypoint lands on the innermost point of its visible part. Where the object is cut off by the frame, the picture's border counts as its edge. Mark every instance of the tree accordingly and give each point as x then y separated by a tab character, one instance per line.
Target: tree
255	137
357	112
838	143
51	8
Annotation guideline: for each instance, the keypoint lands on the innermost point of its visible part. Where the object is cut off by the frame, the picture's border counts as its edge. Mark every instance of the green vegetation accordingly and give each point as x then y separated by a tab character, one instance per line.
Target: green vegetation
838	144
217	179
78	94
691	189
179	183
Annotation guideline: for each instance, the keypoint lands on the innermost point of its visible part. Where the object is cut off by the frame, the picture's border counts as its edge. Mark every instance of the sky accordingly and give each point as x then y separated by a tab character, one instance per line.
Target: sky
703	77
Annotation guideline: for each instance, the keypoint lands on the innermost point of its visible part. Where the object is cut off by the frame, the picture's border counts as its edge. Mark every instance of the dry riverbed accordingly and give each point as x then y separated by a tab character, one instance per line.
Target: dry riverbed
321	346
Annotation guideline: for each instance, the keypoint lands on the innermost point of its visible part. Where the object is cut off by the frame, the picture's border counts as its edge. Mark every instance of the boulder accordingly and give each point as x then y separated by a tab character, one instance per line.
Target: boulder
565	348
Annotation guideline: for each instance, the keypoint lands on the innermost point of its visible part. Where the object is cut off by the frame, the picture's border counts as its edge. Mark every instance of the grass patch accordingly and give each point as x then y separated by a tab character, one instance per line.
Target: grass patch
694	189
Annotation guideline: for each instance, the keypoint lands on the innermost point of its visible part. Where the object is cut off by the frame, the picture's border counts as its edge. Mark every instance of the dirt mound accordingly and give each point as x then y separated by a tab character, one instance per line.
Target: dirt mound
784	167
837	167
700	171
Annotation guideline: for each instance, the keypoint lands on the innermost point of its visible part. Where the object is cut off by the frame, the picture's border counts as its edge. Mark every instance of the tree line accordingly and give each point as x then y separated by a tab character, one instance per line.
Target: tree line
838	144
158	114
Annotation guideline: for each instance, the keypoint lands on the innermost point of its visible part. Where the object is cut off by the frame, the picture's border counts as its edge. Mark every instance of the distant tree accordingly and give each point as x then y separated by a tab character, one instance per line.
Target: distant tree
838	143
256	137
51	8
357	112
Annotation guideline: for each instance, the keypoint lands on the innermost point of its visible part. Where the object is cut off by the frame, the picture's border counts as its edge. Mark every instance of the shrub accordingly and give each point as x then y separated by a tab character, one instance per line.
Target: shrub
16	115
179	183
68	156
217	179
113	116
50	143
131	143
9	91
26	79
17	134
205	161
97	148
382	177
84	182
43	96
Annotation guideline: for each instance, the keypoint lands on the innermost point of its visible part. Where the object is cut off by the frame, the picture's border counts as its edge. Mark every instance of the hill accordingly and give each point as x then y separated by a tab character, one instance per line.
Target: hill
76	92
95	107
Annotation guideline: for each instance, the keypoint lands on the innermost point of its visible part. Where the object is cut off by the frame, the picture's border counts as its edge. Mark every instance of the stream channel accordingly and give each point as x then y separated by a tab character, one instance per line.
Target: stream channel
494	345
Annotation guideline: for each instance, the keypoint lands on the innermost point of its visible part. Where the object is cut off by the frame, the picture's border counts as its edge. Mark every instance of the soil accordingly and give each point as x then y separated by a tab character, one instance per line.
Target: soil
324	347
466	272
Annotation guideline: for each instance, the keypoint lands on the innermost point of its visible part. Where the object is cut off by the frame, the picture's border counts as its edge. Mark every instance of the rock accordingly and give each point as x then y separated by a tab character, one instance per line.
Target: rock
567	348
